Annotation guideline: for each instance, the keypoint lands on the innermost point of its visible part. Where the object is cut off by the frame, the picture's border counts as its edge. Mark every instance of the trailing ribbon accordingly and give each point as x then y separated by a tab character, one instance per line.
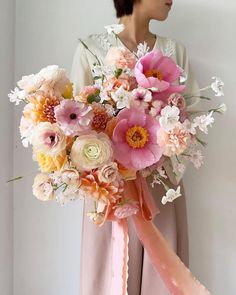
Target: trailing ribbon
176	276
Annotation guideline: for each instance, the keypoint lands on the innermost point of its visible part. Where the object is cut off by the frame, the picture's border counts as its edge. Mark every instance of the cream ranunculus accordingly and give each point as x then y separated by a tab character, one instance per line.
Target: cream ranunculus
91	151
108	173
48	139
42	187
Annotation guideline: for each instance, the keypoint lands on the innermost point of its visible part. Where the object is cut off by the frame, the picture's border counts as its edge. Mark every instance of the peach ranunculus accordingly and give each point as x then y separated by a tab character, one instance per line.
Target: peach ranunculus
48	139
49	164
43	187
91	151
108	173
101	191
175	141
121	58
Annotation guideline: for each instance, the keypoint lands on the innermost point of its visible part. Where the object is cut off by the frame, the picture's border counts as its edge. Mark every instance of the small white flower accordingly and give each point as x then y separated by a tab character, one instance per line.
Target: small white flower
169	117
222	108
217	86
196	158
143	49
189	127
183	76
171	195
202	122
115	28
121	97
17	95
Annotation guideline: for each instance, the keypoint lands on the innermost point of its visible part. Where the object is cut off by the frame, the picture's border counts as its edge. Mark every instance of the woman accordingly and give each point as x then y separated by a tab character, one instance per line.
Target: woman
172	222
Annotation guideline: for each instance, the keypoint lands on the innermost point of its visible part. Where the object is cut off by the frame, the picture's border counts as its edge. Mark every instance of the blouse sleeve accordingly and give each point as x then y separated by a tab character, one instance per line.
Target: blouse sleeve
192	89
81	74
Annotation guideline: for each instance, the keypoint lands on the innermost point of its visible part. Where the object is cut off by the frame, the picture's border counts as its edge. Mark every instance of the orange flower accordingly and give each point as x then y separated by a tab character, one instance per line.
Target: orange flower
126	174
49	164
101	191
41	109
100	117
110	127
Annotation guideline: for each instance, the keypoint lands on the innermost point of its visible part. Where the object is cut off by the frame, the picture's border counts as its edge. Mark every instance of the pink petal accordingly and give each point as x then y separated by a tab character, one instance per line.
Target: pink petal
122	153
165	94
156	150
136	117
119	131
141	158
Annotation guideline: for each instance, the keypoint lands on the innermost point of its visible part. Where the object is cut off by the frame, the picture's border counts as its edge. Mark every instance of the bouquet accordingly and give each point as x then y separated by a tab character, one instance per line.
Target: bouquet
123	128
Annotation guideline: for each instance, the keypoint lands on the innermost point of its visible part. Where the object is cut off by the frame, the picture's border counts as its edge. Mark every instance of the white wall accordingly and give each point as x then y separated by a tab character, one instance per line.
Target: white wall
6	127
47	238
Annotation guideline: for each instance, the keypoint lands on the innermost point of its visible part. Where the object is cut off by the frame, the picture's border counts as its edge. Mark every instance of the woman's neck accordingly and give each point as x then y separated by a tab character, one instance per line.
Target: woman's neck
136	31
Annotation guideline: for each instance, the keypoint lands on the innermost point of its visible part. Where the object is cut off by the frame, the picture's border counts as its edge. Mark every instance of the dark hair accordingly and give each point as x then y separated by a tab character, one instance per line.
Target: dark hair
124	7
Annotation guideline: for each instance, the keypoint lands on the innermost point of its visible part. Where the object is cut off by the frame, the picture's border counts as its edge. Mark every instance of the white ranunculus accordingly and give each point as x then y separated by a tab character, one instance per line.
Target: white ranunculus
217	86
114	28
169	117
42	187
48	139
30	83
171	195
91	151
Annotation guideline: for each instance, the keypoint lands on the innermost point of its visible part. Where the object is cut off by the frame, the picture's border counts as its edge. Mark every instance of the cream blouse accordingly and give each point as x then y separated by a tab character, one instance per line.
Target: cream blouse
99	44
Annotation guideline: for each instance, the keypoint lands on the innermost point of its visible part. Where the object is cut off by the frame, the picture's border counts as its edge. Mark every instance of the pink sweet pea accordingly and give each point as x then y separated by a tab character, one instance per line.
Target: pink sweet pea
158	72
135	139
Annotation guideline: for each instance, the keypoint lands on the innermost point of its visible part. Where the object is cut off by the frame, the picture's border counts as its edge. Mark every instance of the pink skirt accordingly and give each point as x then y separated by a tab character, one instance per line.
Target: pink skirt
96	250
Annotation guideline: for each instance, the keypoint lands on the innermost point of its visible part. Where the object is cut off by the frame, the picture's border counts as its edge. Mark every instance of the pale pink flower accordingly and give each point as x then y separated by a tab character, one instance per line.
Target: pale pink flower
121	57
108	173
196	157
73	117
141	97
176	99
180	167
189	126
43	187
156	107
48	139
202	122
26	130
174	141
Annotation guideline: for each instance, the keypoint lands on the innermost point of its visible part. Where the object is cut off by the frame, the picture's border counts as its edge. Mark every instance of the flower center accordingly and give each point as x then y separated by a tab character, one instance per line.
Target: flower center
153	73
92	151
73	116
136	136
52	138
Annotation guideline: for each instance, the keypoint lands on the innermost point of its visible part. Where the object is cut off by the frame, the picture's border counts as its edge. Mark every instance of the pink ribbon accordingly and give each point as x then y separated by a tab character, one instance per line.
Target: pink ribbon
175	274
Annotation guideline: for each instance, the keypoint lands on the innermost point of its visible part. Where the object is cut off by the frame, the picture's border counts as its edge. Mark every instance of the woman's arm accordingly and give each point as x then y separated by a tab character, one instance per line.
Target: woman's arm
81	74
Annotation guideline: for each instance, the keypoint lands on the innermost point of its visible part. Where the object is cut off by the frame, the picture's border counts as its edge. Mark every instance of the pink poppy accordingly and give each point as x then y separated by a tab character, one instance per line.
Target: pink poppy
73	117
158	72
135	139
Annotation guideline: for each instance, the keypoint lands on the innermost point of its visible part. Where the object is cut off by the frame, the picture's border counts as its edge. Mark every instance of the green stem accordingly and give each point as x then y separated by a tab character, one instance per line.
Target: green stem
91	52
16	178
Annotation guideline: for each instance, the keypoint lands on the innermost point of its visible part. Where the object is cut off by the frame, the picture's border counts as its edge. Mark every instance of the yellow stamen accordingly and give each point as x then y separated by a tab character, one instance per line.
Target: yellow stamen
136	137
153	73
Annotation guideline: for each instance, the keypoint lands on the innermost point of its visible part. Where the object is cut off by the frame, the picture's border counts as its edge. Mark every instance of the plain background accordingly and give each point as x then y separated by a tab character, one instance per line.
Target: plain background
45	257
